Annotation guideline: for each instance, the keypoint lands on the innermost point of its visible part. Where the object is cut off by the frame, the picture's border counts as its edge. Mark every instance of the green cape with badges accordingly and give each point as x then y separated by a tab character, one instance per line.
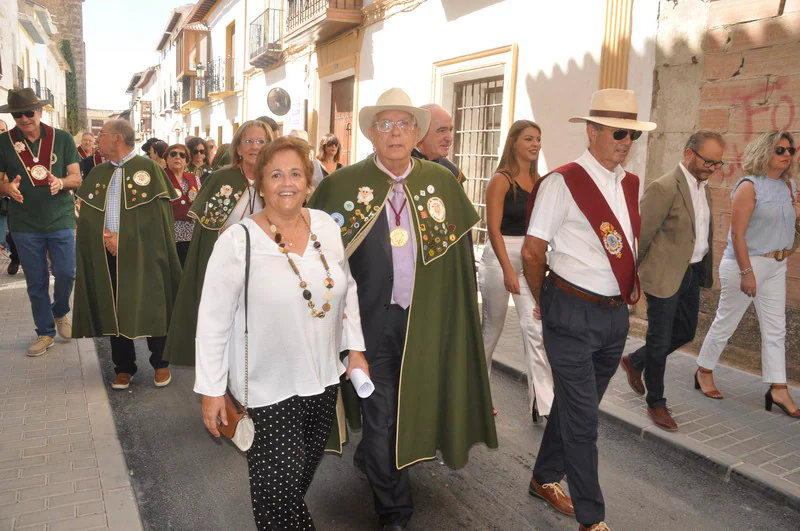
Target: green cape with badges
148	269
217	198
444	401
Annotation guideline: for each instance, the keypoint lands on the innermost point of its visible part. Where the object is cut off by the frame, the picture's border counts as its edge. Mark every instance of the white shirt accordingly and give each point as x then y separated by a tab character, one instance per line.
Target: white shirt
242	209
291	353
576	253
697	189
390	213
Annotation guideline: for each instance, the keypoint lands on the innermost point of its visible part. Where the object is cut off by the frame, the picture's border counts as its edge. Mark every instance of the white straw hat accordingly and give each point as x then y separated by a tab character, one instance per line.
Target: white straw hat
394	99
615	108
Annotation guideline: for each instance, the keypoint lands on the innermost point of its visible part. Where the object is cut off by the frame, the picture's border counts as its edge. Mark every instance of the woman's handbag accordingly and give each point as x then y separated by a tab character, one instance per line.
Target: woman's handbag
240	429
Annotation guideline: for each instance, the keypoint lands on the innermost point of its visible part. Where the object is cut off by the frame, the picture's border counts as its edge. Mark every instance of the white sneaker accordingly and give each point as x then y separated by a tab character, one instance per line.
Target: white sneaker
40	346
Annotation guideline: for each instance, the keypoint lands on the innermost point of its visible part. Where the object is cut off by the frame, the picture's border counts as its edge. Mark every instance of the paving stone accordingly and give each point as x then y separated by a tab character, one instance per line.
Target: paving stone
79	524
716	431
49	515
791	462
722	442
44	491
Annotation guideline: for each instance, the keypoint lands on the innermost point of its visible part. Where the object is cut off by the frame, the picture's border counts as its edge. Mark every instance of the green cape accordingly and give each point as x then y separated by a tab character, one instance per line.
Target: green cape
148	269
215	202
444	402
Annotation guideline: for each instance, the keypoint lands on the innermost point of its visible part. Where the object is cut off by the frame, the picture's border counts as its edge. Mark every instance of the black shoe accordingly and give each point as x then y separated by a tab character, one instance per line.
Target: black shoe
13	267
393	527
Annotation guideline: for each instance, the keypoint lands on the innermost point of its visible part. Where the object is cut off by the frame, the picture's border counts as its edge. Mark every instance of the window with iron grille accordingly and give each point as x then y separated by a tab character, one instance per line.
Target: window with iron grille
478	113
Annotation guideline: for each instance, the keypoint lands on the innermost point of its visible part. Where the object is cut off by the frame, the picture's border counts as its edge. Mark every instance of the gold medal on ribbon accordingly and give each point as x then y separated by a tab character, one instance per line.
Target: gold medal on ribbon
39	172
398	237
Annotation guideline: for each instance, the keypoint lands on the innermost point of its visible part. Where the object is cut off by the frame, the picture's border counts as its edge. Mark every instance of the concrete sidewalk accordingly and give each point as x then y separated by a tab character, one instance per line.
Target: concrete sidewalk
735	438
61	464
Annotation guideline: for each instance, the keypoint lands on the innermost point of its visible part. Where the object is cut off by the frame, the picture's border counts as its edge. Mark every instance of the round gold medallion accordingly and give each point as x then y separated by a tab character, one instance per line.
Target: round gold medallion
39	172
398	237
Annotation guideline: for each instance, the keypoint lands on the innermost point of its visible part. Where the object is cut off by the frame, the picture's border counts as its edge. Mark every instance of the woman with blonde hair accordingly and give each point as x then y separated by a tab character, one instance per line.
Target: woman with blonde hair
327	160
763	232
226	197
500	272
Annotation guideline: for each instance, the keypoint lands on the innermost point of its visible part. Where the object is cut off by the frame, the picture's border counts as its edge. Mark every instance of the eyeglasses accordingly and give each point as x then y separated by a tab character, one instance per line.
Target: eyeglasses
257	141
620	134
180	154
780	150
26	114
198	152
708	163
384	126
332	144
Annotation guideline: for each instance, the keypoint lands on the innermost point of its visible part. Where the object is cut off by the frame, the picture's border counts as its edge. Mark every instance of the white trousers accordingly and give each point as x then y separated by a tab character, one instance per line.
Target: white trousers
495	307
770	302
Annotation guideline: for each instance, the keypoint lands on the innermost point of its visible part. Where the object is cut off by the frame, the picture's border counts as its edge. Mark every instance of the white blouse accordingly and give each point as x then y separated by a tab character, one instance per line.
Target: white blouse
290	352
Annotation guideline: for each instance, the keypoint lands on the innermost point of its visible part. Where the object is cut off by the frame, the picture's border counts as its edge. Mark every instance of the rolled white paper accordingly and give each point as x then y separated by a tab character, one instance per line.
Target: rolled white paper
363	385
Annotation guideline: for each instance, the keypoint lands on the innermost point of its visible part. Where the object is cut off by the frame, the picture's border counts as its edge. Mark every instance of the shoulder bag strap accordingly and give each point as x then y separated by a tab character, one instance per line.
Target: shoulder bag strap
246	290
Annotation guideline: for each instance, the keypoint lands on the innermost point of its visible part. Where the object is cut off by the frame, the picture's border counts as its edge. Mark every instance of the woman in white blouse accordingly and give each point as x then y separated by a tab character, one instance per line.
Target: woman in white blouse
302	311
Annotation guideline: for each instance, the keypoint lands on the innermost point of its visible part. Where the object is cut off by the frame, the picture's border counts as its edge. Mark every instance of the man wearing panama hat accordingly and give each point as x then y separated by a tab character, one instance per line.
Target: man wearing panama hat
403	223
587	211
38	165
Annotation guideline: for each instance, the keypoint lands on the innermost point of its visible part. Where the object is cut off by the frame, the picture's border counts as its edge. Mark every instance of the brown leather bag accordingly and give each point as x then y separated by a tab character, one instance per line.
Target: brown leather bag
234	412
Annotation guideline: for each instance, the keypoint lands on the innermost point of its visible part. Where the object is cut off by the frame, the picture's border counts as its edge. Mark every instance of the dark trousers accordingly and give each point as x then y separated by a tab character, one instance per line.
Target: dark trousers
391	488
183	250
671	323
123	351
288	446
584	343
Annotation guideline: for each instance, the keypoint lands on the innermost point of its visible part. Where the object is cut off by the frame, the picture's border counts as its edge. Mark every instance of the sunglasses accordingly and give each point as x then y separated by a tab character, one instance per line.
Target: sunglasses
198	151
180	154
620	134
26	114
332	144
780	150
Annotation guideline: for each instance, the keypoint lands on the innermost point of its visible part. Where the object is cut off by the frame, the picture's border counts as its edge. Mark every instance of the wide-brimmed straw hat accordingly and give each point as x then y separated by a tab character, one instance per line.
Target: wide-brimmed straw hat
21	100
394	99
615	108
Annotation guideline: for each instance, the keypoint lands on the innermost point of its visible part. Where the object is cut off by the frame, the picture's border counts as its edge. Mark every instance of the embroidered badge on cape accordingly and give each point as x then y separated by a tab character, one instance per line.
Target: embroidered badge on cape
436	209
612	240
142	178
19	147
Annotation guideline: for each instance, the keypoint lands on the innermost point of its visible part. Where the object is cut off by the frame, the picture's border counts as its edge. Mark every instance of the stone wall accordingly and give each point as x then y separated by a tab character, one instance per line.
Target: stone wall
68	16
731	66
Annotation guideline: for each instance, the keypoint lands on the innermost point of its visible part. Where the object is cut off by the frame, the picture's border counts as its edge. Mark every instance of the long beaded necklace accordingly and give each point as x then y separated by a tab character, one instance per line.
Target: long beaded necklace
284	248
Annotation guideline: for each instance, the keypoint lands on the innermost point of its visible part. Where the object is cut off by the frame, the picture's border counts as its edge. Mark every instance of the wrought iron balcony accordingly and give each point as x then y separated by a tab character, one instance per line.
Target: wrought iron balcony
220	78
312	21
36	86
193	94
19	79
266	38
50	98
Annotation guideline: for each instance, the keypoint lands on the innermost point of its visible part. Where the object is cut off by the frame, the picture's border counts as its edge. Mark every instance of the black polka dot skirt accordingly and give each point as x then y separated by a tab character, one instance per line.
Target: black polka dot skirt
289	444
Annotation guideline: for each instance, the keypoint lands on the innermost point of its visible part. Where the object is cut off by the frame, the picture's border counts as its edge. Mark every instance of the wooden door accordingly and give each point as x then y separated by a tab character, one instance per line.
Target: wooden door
342	115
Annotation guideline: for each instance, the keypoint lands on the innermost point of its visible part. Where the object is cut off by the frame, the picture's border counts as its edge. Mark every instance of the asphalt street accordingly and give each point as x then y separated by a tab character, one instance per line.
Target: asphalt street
186	480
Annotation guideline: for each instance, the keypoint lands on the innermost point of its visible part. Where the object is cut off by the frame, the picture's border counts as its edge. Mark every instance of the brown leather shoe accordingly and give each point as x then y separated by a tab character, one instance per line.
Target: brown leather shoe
553	494
662	418
122	381
602	526
634	376
162	377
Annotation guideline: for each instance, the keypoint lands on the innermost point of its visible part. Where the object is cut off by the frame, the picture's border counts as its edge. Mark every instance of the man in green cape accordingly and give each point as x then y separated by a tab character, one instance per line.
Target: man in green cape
403	222
226	197
128	269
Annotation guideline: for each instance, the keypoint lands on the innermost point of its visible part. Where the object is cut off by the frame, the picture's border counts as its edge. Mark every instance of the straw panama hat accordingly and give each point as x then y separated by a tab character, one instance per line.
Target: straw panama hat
22	100
615	108
394	99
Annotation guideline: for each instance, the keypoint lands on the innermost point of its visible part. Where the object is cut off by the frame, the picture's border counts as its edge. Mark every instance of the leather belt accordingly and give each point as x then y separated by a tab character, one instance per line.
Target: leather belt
600	300
780	256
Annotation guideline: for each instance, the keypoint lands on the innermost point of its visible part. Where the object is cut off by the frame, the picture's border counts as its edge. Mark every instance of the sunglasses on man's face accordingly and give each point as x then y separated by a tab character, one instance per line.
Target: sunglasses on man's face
620	134
26	114
780	150
180	154
198	152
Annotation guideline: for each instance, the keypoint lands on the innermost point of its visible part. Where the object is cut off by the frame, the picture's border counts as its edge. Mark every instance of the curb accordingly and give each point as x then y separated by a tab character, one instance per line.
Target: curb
122	509
715	462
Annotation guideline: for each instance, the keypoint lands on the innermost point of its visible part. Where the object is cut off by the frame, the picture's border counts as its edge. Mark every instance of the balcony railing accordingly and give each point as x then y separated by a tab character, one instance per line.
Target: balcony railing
220	80
49	97
175	100
266	38
36	86
193	93
19	79
320	20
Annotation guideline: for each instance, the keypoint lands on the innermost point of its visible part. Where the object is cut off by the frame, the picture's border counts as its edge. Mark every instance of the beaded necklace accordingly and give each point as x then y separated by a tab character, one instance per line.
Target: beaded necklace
283	247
